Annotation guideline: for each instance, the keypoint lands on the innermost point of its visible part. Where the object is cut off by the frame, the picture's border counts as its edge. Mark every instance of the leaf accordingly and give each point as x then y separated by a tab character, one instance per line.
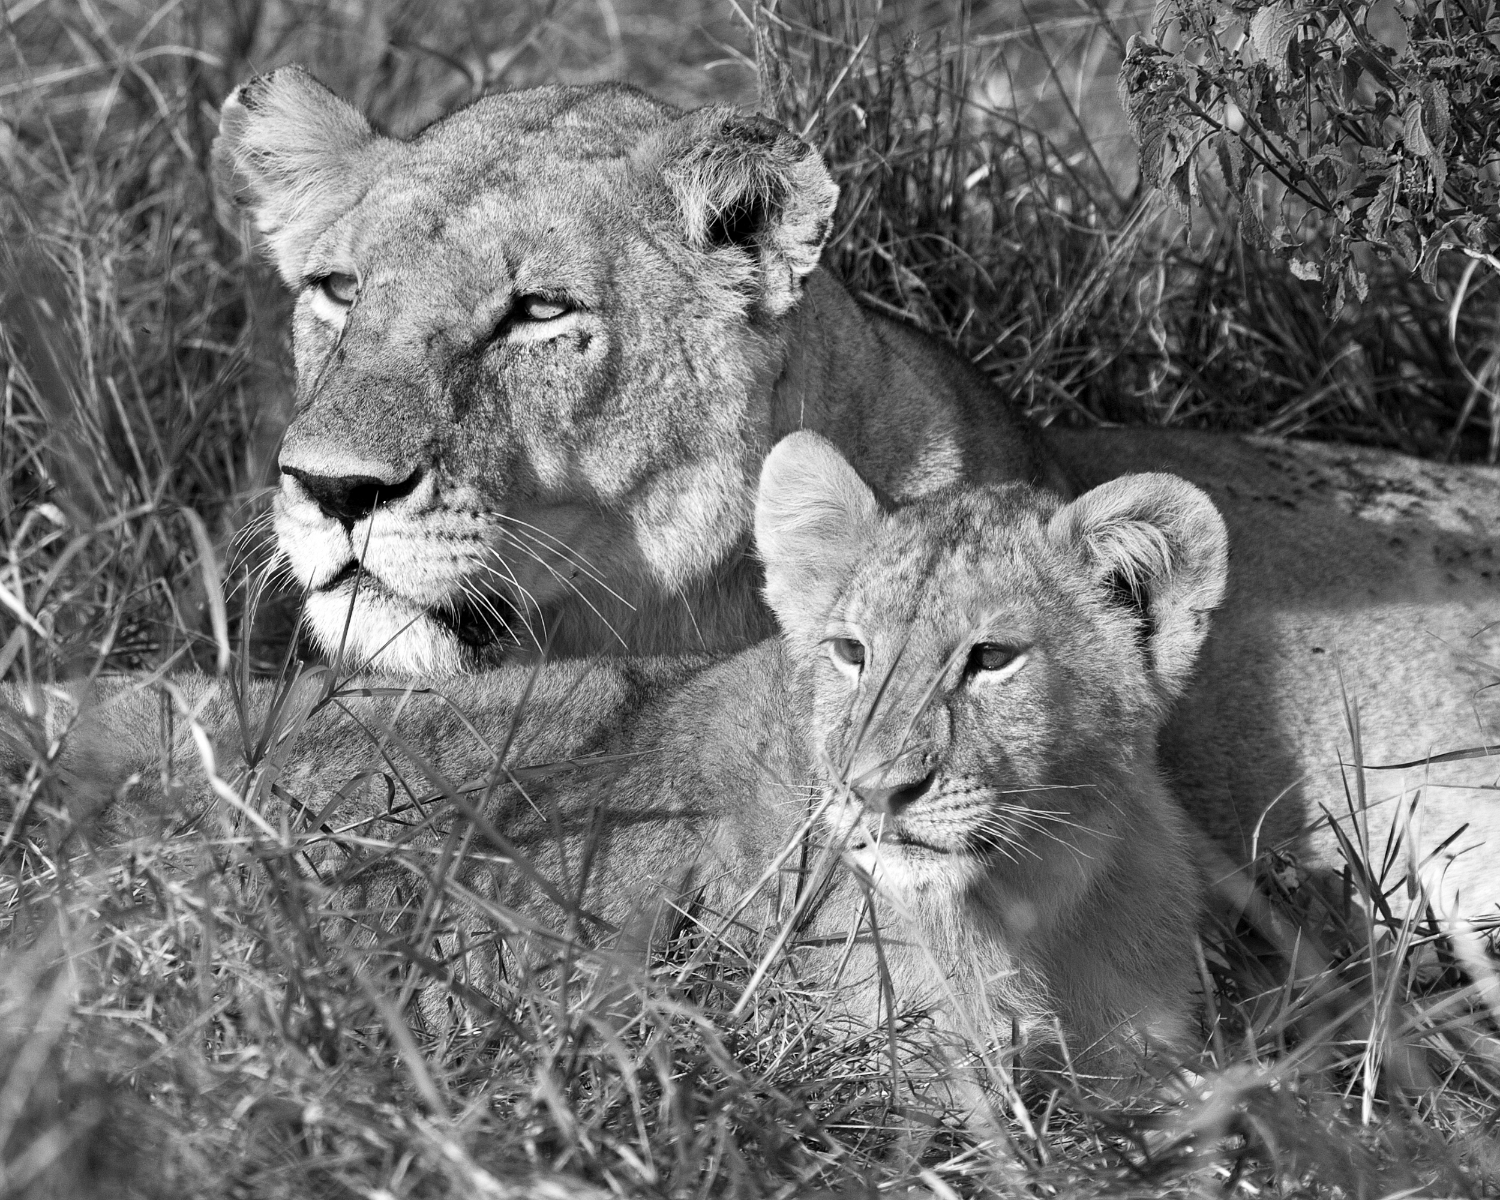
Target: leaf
1387	26
1282	239
1431	249
1268	110
1470	231
1350	74
1412	131
1333	291
1403	244
1231	160
1178	173
1333	172
1357	280
1252	226
1245	90
1379	211
1435	115
1162	17
1303	269
1271	32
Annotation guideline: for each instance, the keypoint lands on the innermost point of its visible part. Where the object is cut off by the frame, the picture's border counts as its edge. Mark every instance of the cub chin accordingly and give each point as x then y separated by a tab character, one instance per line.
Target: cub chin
969	689
984	675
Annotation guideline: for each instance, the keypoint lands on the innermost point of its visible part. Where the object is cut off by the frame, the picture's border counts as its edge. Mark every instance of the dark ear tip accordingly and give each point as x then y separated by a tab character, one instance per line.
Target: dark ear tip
745	130
251	94
763	130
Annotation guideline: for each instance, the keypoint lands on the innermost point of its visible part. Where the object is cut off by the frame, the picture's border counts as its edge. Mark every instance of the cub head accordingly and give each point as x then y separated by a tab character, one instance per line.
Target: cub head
986	670
527	343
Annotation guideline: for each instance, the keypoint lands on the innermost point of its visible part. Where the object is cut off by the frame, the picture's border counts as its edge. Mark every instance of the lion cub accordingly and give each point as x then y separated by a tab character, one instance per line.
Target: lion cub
979	680
964	704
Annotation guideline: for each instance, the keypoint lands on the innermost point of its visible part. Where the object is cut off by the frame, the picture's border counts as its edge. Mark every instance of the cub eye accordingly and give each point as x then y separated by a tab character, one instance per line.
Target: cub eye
847	651
539	308
339	288
992	656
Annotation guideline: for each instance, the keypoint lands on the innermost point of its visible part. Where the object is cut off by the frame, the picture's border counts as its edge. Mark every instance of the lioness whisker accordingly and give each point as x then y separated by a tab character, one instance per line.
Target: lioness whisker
570	584
525	601
535	550
489	612
478	598
261	523
526	529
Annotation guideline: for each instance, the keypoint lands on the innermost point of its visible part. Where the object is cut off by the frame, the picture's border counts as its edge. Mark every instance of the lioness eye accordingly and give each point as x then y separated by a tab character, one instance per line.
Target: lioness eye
991	656
539	308
847	651
339	288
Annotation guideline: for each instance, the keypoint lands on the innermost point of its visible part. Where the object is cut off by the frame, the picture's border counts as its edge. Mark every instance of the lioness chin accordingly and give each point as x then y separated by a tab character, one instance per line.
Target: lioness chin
543	347
965	701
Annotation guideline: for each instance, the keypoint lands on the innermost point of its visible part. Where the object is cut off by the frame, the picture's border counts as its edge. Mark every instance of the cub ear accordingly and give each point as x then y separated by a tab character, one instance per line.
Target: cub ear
1158	546
296	156
813	515
743	183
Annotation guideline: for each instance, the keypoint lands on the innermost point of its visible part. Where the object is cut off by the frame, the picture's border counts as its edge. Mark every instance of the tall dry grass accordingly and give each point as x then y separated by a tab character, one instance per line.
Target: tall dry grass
180	1016
989	197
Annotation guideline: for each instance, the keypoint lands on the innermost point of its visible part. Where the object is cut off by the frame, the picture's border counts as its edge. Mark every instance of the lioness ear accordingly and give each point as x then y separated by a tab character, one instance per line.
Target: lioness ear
812	517
296	156
745	184
1157	545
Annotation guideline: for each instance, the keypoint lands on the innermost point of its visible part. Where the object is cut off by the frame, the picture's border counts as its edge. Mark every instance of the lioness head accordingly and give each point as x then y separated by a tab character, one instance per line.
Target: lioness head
988	669
522	338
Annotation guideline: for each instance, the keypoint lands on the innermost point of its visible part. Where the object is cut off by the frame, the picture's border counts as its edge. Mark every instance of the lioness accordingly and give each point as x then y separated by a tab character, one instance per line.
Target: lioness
967	695
543	346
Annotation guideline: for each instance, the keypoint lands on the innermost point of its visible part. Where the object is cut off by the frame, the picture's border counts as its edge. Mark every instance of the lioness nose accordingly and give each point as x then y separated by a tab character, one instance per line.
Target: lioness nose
351	498
891	800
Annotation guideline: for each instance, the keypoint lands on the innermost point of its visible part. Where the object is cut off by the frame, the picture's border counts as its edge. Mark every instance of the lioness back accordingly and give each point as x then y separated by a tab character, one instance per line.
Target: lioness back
1365	595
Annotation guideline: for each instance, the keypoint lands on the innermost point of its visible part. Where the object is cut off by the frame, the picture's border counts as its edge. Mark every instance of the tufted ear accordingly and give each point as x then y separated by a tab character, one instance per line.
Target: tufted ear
745	186
1158	546
296	156
813	515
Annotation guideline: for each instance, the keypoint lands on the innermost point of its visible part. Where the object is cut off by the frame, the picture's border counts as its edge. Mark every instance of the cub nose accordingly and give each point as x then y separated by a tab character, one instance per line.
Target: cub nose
351	498
891	800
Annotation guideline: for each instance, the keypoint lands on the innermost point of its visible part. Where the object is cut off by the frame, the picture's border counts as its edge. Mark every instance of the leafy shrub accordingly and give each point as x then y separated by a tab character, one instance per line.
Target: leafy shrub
1376	125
